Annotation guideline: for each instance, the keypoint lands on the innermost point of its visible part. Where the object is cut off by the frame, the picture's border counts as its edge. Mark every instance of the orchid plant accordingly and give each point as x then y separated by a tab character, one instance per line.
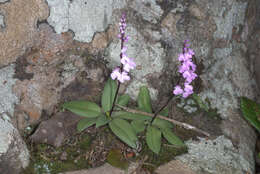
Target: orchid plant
127	123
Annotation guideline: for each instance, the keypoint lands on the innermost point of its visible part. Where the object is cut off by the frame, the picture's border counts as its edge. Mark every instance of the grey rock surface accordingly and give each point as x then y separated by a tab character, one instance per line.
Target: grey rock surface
2	21
2	1
106	169
8	98
83	17
14	154
214	157
148	9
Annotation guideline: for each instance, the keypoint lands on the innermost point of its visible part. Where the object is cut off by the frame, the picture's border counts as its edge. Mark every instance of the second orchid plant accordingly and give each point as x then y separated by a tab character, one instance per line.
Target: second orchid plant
126	123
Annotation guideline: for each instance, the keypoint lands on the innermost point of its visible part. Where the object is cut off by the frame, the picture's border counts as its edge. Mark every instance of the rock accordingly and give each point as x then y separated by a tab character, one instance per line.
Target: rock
8	98
3	1
105	169
2	21
148	9
20	19
214	156
55	130
14	154
174	167
39	73
83	17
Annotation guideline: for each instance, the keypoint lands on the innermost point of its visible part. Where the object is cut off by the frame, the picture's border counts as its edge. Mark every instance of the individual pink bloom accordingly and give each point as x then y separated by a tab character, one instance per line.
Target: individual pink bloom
115	73
186	74
126	38
191	52
120	76
128	63
177	90
123	50
181	57
188	88
186	94
123	77
183	68
124	59
187	56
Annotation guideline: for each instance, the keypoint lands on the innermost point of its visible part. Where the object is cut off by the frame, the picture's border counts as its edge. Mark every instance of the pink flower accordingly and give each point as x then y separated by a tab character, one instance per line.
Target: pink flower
120	76
187	69
128	63
177	90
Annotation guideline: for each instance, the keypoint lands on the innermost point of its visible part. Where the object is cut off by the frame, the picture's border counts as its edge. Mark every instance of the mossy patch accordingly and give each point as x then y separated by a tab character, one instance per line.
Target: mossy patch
167	153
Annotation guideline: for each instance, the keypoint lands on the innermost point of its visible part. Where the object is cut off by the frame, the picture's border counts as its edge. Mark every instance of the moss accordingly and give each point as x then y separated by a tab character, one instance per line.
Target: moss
167	153
85	143
47	159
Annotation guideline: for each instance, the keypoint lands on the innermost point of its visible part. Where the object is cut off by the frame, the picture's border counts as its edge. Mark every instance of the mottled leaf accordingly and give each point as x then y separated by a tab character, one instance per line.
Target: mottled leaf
85	123
83	108
251	111
153	139
123	130
108	95
144	100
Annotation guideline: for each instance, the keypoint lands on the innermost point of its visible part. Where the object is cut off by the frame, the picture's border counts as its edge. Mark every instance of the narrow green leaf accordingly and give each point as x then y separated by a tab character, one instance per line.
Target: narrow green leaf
85	123
130	116
108	95
124	131
160	123
101	120
171	137
116	159
83	108
123	100
153	139
138	125
251	111
144	100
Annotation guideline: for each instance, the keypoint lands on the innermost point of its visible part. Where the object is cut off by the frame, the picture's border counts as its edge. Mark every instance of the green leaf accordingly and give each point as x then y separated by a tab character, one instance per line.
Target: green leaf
83	108
138	125
251	111
85	123
171	137
160	123
101	120
123	100
130	116
144	100
116	159
108	95
123	130
202	105
153	139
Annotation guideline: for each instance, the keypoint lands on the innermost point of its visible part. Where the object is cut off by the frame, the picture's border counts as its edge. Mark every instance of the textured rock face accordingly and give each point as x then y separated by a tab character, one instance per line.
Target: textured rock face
50	64
13	152
83	17
20	19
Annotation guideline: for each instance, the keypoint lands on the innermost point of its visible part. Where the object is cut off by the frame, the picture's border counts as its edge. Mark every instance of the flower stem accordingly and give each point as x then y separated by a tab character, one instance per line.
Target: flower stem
181	124
114	102
158	111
